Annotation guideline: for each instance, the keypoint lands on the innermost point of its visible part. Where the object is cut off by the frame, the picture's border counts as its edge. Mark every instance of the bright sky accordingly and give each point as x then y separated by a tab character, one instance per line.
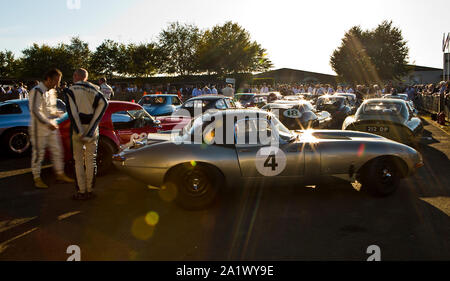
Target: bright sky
297	34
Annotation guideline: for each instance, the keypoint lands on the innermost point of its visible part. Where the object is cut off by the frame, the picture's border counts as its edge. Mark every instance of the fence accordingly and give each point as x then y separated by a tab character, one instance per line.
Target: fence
431	104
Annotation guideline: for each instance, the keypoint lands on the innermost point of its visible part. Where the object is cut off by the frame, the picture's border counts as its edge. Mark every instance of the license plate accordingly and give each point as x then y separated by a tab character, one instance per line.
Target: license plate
376	129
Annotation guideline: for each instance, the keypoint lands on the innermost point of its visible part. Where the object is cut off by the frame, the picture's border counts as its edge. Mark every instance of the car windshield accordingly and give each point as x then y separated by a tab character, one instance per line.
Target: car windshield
126	116
306	107
330	101
200	121
385	108
152	100
402	97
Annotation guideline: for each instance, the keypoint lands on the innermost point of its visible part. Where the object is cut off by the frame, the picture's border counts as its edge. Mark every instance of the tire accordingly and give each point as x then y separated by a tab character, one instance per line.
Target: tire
382	177
17	142
197	186
105	151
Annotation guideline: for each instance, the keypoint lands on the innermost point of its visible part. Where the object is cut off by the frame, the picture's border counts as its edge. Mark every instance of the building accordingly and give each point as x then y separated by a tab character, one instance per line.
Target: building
422	75
287	75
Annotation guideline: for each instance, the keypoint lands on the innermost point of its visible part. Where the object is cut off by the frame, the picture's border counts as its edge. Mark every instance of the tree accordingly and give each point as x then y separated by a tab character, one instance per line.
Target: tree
367	56
37	60
229	49
8	64
144	60
79	52
106	60
178	43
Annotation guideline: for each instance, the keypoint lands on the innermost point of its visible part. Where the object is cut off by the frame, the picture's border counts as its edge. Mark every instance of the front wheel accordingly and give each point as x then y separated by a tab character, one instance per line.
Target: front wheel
197	185
17	141
381	178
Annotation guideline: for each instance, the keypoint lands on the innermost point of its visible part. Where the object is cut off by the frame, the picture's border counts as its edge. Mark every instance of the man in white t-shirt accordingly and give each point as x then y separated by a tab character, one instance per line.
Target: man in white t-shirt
107	91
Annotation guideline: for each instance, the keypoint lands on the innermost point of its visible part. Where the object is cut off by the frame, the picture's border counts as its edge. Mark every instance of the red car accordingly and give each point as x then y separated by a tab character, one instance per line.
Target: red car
122	123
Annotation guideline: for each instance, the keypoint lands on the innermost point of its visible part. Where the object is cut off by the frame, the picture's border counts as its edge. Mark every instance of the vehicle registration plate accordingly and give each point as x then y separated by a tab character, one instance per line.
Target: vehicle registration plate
376	129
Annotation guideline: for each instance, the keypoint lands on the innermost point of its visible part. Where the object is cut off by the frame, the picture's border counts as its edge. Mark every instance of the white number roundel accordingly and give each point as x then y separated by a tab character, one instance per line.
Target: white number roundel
292	113
270	161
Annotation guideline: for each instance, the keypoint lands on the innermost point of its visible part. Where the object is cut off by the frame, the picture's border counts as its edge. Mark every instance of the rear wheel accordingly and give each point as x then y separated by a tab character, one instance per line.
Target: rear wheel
17	141
381	177
197	186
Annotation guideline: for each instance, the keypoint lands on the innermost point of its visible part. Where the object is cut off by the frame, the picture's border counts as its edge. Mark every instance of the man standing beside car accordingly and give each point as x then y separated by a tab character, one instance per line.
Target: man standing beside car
107	91
228	91
44	129
86	106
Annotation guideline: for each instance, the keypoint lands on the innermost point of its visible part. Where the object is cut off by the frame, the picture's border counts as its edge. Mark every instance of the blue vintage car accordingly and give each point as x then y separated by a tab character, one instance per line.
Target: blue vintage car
160	104
14	122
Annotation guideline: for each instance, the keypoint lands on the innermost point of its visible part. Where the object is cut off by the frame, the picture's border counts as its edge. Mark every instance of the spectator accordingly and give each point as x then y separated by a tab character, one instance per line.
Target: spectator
359	93
376	92
106	90
206	91
411	92
330	90
214	90
264	89
228	91
196	92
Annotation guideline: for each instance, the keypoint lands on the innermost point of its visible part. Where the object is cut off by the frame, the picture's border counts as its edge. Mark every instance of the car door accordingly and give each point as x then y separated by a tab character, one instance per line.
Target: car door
11	115
259	157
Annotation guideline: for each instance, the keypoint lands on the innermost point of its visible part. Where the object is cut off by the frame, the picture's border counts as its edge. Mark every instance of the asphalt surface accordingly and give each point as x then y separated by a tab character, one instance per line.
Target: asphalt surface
128	221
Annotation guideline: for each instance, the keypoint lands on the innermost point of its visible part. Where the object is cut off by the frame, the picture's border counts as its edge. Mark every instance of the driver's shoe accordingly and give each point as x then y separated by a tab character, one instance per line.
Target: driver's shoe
62	178
38	183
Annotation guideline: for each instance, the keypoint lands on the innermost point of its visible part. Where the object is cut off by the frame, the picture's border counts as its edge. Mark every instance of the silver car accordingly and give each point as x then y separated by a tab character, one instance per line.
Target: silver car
195	171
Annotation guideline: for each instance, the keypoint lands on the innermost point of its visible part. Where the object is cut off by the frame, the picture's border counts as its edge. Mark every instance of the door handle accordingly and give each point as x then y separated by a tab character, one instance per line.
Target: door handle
244	150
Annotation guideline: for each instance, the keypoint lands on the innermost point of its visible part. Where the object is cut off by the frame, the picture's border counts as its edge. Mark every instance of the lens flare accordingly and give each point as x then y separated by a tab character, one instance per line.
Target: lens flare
193	163
168	193
152	218
361	149
141	230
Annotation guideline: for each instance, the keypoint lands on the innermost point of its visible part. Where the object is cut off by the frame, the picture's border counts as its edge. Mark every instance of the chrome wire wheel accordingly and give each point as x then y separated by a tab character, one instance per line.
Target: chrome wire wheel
196	182
19	142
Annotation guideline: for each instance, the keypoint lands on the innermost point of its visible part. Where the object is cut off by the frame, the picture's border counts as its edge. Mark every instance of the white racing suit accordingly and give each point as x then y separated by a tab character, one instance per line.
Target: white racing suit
43	111
86	106
107	91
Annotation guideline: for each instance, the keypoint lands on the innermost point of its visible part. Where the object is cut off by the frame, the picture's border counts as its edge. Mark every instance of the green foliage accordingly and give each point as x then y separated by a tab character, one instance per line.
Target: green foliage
367	56
181	49
8	64
79	52
107	59
229	49
144	60
178	44
37	60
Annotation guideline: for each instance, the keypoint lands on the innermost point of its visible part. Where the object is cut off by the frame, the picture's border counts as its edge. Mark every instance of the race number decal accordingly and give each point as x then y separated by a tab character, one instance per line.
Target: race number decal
292	113
135	137
270	161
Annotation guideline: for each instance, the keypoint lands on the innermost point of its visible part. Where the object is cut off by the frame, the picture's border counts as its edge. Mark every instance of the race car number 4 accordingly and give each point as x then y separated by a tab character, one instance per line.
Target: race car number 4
270	161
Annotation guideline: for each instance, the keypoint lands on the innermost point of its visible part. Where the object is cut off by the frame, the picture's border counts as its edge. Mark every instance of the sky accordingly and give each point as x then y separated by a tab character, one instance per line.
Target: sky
296	34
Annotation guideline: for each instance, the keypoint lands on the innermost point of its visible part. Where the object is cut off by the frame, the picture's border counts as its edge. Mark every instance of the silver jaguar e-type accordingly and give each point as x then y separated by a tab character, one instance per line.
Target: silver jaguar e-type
231	148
